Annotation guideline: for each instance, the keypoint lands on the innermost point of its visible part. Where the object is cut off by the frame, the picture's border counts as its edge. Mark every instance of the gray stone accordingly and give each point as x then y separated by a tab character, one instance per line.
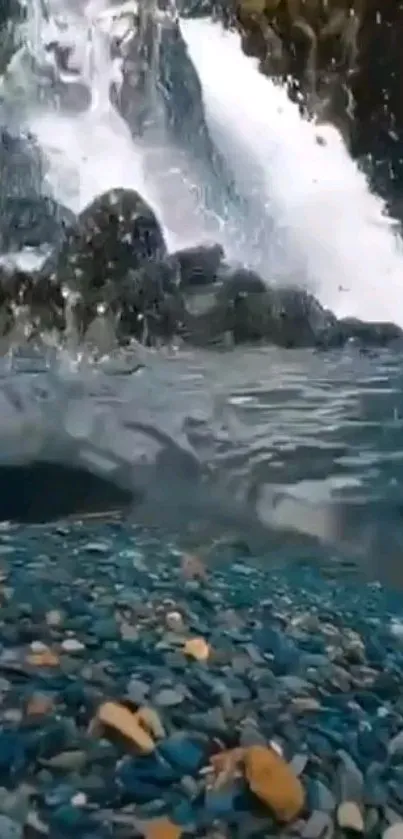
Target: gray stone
137	691
318	826
10	829
324	798
251	736
350	778
396	744
69	760
169	697
394	831
298	763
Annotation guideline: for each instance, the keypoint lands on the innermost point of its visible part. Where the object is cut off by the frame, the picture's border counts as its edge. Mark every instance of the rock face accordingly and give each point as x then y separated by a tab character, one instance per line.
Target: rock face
345	58
377	89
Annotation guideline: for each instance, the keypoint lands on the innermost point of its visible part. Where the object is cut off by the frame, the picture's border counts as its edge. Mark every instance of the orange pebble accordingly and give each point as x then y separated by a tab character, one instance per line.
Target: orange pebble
46	658
272	780
197	648
162	829
127	724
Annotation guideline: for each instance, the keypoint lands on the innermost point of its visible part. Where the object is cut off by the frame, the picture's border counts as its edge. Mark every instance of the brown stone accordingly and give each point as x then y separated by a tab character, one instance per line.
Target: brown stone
272	780
125	723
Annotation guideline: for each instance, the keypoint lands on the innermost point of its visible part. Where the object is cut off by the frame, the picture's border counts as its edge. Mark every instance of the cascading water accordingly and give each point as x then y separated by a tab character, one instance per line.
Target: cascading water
302	210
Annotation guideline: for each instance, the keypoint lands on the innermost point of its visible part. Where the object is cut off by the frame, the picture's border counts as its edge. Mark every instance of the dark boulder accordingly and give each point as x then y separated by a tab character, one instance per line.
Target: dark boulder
32	222
21	167
367	334
199	265
117	232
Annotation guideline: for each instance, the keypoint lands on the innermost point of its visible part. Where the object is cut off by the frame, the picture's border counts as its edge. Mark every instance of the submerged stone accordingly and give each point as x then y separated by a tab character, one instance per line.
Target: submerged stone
272	780
184	751
10	829
349	817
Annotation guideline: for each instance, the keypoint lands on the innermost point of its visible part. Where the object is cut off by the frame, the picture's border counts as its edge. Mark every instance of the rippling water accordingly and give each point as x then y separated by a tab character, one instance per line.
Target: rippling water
297	454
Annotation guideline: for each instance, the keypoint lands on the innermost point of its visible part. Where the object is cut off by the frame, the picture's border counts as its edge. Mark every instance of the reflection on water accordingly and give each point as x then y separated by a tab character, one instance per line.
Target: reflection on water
301	451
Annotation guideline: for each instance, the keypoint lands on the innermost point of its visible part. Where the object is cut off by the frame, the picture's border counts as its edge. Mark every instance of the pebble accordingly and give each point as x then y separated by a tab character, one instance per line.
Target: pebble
273	781
319	826
197	648
169	697
394	831
199	706
54	618
79	799
349	817
72	645
174	622
121	720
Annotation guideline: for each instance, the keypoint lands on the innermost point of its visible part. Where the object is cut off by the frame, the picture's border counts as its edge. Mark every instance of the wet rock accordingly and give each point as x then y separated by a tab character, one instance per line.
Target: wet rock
113	256
33	222
198	265
368	334
272	780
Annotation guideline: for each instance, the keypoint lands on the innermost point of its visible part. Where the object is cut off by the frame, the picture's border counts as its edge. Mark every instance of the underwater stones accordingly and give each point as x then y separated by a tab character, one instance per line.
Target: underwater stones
272	780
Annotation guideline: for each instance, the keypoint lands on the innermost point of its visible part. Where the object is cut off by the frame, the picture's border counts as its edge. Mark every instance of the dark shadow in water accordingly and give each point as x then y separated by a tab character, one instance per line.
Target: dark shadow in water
43	492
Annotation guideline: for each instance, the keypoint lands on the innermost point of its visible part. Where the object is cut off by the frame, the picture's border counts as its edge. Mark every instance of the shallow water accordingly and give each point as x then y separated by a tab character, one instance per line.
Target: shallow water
297	453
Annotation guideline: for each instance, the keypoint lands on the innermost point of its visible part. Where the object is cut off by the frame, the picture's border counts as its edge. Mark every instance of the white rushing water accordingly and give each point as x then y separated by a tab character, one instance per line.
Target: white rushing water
324	227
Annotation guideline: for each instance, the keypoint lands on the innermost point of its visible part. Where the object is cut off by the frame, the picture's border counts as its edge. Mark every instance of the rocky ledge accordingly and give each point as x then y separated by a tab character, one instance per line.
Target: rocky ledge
110	279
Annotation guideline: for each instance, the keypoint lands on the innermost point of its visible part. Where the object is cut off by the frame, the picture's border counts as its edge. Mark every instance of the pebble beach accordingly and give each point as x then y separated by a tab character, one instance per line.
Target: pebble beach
148	692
